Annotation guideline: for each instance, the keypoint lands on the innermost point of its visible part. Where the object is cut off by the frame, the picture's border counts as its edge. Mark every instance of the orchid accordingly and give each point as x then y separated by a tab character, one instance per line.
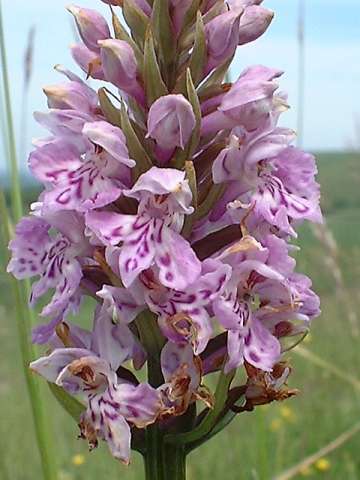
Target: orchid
170	202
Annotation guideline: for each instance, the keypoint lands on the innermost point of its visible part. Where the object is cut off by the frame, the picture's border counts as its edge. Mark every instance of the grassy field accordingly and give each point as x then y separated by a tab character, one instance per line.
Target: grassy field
259	445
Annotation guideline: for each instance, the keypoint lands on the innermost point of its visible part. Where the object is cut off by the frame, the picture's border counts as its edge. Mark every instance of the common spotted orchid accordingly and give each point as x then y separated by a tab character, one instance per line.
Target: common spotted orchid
170	202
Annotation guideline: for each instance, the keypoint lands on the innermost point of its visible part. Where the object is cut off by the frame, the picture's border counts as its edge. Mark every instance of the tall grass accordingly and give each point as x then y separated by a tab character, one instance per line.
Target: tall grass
20	291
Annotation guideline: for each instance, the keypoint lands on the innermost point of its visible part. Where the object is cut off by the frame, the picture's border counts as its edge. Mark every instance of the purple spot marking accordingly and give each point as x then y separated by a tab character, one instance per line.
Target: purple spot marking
248	339
254	357
165	260
131	264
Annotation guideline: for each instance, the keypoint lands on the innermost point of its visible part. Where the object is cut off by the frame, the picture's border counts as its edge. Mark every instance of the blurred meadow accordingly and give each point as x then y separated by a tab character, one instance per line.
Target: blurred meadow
305	432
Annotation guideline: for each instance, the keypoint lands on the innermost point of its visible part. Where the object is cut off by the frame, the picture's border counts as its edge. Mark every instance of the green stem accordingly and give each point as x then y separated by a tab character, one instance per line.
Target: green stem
162	461
11	144
174	463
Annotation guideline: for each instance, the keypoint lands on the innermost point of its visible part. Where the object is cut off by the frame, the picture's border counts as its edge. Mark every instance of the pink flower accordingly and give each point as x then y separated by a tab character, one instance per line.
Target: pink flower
83	179
152	237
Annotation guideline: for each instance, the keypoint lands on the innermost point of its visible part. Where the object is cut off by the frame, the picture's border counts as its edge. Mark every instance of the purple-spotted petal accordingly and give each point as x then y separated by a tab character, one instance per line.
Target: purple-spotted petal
140	404
113	342
137	253
111	228
29	248
262	349
177	262
235	350
119	304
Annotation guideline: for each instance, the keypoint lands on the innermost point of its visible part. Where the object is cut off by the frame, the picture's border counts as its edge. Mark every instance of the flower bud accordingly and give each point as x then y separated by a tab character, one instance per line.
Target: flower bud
91	25
142	4
254	22
222	35
207	5
88	61
171	121
178	9
71	96
120	67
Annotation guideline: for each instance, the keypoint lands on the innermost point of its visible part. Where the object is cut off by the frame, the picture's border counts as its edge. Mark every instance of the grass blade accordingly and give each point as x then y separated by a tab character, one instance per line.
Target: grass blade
320	362
330	447
16	200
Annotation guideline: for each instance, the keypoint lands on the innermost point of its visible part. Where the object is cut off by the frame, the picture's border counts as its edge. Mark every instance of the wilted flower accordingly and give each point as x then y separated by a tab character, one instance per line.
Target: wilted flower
173	208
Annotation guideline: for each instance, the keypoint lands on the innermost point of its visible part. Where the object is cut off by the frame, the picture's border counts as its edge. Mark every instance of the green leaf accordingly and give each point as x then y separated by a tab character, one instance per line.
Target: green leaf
72	406
219	427
154	84
111	113
197	59
164	35
135	147
195	103
136	20
191	177
217	76
199	53
190	17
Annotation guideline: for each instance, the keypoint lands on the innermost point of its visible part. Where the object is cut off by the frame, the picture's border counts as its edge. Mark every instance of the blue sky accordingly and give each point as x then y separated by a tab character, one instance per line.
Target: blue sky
332	60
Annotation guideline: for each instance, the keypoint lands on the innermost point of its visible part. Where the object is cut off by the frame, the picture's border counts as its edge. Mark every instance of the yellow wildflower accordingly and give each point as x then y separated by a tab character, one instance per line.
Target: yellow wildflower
287	413
323	465
78	460
276	424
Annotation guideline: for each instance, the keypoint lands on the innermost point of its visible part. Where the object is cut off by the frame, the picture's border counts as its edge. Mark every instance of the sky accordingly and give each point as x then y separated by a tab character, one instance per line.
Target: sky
332	100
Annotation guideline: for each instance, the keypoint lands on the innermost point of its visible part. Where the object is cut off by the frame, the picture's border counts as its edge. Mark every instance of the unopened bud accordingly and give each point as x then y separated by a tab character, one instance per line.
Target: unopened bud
222	35
171	121
254	22
91	25
120	67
